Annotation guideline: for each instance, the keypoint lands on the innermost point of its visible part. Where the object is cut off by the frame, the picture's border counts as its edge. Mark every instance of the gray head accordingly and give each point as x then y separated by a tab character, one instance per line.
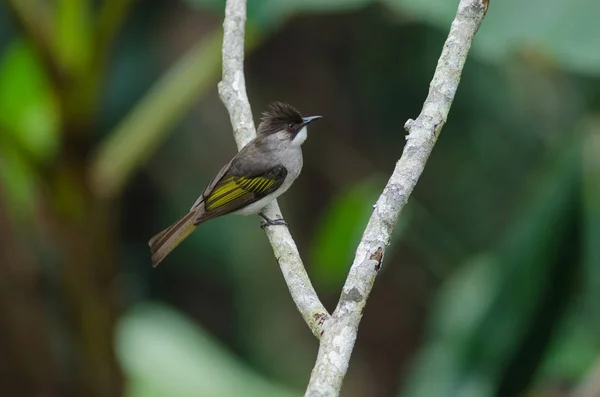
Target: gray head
285	121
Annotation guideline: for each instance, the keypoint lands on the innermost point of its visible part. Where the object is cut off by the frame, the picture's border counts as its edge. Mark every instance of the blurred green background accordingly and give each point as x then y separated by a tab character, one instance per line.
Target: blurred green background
110	127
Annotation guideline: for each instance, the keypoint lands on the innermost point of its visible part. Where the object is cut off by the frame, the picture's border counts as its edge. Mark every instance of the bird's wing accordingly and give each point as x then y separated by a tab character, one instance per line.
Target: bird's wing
233	192
212	185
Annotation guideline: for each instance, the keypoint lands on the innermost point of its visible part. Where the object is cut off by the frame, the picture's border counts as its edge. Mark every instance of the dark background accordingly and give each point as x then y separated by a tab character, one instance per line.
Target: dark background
110	127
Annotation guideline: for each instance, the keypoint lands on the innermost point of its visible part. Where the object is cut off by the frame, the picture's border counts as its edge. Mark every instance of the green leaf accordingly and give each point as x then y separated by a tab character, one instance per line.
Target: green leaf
163	353
563	32
484	311
74	35
340	230
28	108
591	219
126	148
573	351
17	179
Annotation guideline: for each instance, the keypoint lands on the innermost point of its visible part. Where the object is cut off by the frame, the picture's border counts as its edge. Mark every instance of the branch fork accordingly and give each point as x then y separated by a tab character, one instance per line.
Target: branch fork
337	331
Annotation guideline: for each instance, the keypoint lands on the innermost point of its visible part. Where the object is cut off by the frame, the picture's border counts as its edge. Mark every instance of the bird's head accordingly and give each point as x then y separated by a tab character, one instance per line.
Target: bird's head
287	122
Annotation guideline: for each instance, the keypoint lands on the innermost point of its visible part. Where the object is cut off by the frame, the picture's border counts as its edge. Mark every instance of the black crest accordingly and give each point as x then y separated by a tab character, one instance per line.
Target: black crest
279	116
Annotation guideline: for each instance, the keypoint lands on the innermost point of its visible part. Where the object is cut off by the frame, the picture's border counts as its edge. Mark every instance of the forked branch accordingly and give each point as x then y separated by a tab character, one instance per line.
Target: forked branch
338	332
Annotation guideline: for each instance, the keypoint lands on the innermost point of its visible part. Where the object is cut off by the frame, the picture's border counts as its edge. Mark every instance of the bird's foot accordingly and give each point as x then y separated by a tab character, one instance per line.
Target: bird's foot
271	222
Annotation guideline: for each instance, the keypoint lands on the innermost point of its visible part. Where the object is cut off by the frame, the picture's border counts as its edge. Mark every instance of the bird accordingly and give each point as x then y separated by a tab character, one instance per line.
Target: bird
260	172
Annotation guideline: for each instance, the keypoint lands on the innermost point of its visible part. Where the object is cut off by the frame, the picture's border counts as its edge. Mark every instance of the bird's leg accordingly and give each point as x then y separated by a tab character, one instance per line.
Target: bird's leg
271	222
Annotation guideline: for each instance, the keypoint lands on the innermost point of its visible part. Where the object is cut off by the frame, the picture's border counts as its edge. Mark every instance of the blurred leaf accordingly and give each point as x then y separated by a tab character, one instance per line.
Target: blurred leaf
463	305
573	350
560	31
273	12
35	17
341	228
143	129
485	310
17	179
591	220
110	18
28	108
267	14
564	32
74	34
426	227
164	354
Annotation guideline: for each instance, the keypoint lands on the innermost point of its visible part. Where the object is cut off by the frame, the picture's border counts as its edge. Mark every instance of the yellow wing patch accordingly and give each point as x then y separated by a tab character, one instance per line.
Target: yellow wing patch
232	188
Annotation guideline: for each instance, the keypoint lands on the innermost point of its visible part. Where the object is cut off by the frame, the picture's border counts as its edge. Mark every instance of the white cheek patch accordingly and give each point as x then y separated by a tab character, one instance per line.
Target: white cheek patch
300	137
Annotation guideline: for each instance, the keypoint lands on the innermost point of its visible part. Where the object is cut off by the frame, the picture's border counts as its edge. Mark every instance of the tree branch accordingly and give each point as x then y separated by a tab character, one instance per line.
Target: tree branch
232	90
340	331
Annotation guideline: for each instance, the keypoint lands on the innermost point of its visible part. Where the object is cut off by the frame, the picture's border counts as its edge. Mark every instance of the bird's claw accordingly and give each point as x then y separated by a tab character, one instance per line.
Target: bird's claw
271	222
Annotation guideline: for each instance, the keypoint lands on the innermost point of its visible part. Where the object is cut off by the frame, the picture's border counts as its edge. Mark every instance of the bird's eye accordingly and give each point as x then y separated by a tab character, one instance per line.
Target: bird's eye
290	125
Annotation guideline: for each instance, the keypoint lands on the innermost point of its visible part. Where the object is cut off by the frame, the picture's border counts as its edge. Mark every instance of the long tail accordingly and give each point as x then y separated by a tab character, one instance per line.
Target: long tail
164	242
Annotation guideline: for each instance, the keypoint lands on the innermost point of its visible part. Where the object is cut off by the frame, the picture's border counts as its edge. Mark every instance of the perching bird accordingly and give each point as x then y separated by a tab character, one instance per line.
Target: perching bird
262	171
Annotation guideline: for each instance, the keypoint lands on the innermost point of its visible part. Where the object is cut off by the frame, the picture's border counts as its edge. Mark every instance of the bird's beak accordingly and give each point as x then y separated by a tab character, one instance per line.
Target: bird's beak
310	119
